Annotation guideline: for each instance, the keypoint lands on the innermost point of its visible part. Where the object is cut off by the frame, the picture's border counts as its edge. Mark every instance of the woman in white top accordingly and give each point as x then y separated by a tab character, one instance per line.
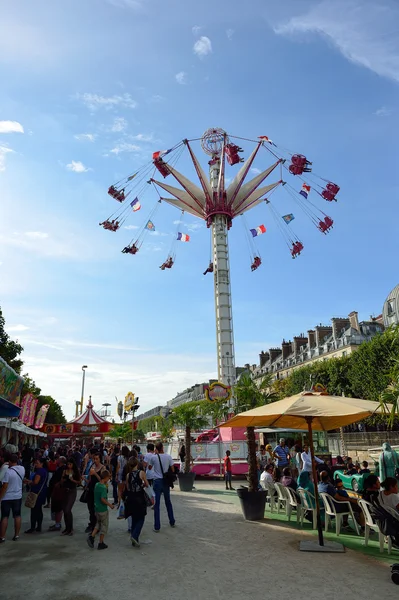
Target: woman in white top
389	496
266	478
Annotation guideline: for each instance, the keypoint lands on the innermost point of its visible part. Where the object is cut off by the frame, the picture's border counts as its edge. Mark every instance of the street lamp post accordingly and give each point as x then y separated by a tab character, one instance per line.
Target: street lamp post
83	387
131	411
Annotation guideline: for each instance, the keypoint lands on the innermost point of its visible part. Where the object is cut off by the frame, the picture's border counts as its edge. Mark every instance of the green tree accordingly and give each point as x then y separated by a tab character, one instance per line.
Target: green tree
55	413
189	416
166	430
122	431
248	395
218	411
9	350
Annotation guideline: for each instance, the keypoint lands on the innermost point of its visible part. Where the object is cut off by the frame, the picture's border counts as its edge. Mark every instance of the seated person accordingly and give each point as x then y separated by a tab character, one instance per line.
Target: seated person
365	468
371	488
287	480
305	483
340	495
350	467
389	496
266	478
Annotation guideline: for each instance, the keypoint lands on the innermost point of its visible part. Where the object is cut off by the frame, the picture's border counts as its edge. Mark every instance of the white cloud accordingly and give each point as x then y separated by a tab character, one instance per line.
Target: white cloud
77	167
131	227
383	112
95	101
177	222
143	137
361	30
203	46
157	98
11	127
181	78
88	137
255	171
15	328
230	33
125	147
195	226
36	235
196	29
4	150
119	124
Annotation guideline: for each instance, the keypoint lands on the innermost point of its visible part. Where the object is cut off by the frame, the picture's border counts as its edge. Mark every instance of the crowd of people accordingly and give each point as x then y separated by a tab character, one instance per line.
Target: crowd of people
52	477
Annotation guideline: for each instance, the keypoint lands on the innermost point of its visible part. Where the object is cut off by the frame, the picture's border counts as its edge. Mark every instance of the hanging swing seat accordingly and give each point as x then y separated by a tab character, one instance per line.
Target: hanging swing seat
232	154
168	264
256	263
118	195
330	191
296	249
299	164
110	225
133	249
162	167
209	268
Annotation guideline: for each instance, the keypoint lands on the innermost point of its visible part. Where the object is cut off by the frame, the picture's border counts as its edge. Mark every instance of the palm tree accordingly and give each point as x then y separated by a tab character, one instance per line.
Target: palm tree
248	395
391	396
188	415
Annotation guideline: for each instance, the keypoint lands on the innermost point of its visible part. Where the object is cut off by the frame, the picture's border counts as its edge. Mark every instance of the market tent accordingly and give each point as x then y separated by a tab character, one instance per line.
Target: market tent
8	409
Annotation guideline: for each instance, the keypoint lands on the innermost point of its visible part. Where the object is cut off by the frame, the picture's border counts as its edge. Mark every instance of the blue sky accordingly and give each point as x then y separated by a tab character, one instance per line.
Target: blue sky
91	89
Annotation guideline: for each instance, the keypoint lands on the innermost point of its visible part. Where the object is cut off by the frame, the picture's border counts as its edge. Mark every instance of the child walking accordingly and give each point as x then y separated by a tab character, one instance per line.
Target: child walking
101	505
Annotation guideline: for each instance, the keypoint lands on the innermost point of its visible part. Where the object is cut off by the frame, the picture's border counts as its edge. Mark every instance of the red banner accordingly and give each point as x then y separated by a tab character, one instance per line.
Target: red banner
32	410
70	429
25	408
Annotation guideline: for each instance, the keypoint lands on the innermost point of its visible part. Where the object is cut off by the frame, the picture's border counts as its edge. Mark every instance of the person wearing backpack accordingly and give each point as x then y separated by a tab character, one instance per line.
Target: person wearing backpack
135	499
11	497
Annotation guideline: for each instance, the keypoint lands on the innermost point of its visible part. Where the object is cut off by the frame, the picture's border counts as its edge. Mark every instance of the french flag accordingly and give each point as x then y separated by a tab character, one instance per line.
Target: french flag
160	153
305	191
258	231
183	237
135	204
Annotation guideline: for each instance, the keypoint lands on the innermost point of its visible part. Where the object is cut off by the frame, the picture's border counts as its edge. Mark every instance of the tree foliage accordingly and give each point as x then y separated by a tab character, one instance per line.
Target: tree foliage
365	373
190	416
9	350
122	431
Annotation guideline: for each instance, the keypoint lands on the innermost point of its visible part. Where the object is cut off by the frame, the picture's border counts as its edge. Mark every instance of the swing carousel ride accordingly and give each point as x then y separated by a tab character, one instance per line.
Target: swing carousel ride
218	204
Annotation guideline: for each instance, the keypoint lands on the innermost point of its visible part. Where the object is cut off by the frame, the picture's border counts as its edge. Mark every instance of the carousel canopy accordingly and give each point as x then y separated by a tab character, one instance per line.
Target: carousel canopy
89	417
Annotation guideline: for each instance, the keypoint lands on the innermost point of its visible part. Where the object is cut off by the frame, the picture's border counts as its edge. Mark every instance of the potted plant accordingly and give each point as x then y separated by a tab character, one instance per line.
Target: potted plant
189	416
248	395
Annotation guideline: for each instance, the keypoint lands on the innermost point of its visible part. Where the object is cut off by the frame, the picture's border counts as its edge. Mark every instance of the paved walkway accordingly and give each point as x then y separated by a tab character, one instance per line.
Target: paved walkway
212	553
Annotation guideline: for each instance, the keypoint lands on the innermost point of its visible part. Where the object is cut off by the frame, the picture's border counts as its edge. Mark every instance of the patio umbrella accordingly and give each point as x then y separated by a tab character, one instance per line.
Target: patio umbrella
309	411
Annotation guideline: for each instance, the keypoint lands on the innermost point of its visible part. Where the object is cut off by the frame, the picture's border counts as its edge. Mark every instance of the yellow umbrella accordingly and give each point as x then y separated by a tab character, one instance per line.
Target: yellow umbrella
308	410
325	412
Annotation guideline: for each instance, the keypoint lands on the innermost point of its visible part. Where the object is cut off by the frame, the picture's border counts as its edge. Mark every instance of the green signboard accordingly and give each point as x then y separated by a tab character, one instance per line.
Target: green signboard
11	383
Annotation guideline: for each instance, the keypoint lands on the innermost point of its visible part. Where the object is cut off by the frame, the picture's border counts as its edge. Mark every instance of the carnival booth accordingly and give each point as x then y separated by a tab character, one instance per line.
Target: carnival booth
87	425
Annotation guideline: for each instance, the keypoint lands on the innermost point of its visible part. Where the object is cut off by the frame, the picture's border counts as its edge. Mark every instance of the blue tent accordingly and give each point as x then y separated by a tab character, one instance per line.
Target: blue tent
8	409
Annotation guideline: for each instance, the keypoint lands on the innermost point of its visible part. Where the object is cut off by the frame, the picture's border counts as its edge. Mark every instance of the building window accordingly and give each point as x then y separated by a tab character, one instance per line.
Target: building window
391	308
344	353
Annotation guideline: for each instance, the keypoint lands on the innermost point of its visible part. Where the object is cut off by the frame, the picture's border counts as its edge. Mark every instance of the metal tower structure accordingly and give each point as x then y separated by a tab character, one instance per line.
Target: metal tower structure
218	206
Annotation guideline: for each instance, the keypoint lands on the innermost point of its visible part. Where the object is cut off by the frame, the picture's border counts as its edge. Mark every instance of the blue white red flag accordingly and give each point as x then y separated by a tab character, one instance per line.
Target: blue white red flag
150	226
288	218
160	153
135	204
183	237
305	191
258	230
264	138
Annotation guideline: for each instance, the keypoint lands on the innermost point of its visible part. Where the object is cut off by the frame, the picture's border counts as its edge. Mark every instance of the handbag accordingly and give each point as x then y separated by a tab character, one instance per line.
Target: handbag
169	477
84	496
32	497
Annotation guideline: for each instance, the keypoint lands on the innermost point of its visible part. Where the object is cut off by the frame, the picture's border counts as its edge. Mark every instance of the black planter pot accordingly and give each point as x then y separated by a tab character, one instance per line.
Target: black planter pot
186	481
252	504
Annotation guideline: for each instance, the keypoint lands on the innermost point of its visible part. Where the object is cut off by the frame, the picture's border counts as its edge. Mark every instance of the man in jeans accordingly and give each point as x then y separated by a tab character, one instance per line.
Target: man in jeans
11	497
161	463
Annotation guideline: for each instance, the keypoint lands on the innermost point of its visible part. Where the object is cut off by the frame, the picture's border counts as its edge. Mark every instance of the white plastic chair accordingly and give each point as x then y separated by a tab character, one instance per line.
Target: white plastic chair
293	503
308	504
331	511
372	525
271	493
283	498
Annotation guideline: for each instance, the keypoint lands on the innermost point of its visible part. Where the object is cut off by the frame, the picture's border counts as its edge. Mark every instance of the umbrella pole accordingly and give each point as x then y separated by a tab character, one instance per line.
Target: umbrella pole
316	495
